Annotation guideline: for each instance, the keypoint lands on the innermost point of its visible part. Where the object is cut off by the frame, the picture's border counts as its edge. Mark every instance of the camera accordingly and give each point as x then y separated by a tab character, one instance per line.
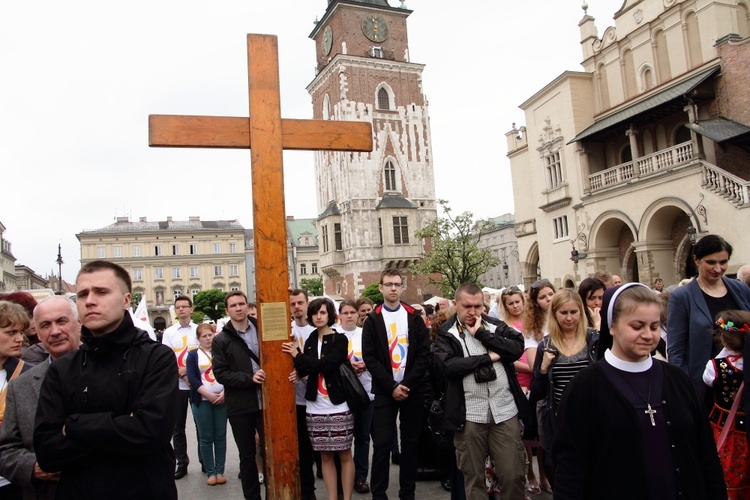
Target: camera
485	373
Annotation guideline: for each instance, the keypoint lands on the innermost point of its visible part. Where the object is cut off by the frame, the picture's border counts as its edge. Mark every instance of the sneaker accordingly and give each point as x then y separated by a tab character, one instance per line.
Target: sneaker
361	486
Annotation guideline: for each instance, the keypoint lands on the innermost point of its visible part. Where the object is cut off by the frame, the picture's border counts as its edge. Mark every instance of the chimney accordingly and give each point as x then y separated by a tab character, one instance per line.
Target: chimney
289	217
169	218
122	219
143	219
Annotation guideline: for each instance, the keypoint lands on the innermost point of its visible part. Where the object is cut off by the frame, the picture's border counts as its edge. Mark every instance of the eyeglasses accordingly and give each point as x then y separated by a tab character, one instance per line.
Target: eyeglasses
392	285
511	290
539	283
182	307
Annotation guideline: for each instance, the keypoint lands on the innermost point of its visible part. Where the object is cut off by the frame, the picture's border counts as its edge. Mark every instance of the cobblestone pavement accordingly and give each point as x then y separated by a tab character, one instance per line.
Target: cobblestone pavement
194	484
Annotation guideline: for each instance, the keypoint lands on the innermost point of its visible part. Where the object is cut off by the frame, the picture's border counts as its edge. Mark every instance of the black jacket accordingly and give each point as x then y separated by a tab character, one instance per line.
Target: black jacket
116	398
505	341
377	357
234	370
598	446
333	353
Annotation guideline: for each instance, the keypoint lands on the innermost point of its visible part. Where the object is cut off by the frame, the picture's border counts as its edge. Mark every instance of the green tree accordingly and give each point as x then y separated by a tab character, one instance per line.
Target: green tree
210	303
197	317
313	286
373	293
453	252
135	299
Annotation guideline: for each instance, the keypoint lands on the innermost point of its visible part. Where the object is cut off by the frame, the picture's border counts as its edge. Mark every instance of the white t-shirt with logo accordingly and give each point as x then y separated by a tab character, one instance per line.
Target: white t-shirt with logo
322	404
181	340
355	354
397	331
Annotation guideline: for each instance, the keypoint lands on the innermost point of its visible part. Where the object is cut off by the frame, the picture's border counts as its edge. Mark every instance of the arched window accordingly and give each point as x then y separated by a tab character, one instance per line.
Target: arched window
693	39
682	134
384	100
603	86
389	173
326	107
663	68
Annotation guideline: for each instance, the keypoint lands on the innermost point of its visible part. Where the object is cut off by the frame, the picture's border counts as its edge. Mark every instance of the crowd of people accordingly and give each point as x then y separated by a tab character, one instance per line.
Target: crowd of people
618	389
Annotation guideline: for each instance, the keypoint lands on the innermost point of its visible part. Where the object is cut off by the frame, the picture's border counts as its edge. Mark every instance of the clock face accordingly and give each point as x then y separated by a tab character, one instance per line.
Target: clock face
327	40
375	28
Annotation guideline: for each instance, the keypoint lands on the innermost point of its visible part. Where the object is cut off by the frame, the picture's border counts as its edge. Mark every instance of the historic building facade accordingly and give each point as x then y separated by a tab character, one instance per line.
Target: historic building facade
8	261
500	240
371	204
170	258
627	162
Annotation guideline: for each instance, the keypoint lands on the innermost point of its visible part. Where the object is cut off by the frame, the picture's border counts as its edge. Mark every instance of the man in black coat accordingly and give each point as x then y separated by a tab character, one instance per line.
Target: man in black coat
396	350
106	412
236	365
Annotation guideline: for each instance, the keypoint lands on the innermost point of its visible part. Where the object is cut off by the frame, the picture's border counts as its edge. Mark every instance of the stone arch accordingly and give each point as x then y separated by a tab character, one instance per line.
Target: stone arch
646	77
531	266
612	237
653	224
602	229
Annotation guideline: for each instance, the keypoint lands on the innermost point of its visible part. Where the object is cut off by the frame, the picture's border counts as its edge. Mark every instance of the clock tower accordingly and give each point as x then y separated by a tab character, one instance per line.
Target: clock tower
371	204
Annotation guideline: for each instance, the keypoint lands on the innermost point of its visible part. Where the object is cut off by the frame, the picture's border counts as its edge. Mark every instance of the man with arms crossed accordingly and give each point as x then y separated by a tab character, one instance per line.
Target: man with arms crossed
56	320
106	412
483	410
395	348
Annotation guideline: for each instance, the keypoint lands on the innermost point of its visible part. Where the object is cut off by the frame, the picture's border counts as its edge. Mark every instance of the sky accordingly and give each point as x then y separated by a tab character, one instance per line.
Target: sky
79	80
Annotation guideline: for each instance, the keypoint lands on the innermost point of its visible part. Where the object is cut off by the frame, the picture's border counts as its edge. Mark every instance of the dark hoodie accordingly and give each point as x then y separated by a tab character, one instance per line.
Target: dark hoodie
116	401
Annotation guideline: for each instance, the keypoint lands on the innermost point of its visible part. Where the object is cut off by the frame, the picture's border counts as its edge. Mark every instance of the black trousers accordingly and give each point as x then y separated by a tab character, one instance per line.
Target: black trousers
410	412
243	429
179	439
304	448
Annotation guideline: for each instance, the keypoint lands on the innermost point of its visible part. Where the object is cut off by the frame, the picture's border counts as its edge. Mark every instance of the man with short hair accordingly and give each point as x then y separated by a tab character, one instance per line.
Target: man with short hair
658	285
236	365
301	330
604	276
616	280
181	338
56	320
106	412
396	350
483	399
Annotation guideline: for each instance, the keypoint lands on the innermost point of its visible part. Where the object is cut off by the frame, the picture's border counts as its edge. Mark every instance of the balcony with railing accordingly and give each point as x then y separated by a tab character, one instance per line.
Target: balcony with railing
728	186
660	161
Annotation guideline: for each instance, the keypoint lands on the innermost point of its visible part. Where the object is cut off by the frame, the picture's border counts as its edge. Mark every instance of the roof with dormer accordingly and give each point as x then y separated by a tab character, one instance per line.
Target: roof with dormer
331	209
296	228
395	201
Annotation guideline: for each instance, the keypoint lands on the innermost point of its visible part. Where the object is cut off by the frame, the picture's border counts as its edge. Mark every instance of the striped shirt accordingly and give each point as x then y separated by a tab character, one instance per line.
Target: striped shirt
563	371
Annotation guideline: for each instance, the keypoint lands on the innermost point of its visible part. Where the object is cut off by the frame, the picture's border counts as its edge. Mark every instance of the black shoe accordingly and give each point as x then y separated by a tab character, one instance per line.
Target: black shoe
180	472
446	484
395	458
361	486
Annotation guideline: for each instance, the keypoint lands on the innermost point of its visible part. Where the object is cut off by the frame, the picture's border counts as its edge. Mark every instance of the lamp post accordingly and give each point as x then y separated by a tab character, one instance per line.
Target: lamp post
59	269
505	271
691	232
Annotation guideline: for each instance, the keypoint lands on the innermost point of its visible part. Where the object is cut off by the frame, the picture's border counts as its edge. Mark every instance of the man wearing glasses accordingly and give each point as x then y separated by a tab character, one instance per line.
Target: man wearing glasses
395	348
181	338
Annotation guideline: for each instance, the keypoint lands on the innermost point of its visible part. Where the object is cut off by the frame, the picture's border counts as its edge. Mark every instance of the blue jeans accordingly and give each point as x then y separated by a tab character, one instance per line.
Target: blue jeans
362	423
212	428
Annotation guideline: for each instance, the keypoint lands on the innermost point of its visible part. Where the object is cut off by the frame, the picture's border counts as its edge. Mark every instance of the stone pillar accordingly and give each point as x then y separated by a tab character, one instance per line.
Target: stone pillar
656	260
632	134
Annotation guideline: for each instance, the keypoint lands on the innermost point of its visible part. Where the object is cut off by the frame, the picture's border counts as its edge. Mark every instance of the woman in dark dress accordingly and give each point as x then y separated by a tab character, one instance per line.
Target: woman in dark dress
630	426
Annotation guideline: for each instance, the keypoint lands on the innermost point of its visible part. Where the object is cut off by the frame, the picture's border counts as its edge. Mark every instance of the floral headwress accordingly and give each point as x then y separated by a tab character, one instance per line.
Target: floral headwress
731	327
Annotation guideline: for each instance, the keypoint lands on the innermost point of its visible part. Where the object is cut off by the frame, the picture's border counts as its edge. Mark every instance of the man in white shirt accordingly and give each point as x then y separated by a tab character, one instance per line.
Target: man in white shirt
181	338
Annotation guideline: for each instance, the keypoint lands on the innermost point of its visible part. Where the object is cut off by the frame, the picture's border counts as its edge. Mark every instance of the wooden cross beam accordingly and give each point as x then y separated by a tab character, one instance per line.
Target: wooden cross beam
269	135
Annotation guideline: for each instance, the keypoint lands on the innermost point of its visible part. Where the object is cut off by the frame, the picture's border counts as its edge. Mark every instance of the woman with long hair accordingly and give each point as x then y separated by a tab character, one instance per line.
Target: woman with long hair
513	305
591	291
693	308
330	423
569	348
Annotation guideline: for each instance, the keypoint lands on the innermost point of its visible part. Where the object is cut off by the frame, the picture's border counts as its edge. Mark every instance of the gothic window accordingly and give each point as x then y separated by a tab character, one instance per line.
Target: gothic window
390	176
400	231
325	238
554	170
337	236
380	231
384	101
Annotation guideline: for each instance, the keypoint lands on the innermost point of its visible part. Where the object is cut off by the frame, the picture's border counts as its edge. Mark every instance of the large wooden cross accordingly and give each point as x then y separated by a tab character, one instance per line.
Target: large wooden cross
269	135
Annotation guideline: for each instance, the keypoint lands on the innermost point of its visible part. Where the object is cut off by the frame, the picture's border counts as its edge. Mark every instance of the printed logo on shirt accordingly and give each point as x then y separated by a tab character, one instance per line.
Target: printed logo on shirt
208	375
355	355
396	347
322	389
182	351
